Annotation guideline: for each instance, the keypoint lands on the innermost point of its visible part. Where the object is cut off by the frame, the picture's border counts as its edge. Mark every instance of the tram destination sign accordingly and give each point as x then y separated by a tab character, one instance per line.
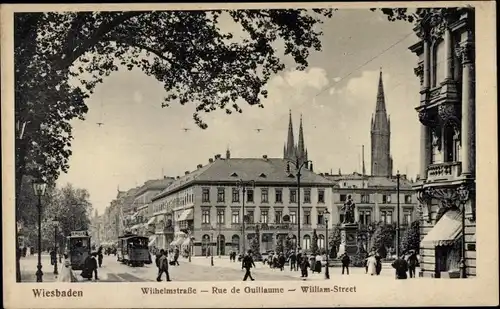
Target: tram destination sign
79	233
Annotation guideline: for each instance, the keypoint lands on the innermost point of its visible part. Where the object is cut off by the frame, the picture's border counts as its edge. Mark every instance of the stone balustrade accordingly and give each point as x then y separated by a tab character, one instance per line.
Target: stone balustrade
444	171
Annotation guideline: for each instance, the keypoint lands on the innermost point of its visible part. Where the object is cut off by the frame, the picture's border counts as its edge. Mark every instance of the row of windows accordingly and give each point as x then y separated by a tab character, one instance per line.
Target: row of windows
264	195
365	217
264	217
386	199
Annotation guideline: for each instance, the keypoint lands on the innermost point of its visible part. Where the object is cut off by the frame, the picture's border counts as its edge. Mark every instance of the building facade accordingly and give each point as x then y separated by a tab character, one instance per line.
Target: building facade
205	206
447	141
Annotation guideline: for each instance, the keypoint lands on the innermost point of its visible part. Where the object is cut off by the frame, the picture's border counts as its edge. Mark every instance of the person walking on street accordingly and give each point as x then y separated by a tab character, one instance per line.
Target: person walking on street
401	267
345	263
162	264
176	256
293	261
378	265
371	265
90	267
299	260
247	264
304	266
412	263
100	256
282	261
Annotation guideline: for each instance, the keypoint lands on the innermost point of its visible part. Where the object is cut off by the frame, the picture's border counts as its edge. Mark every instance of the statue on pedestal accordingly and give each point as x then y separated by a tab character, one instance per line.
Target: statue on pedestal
348	209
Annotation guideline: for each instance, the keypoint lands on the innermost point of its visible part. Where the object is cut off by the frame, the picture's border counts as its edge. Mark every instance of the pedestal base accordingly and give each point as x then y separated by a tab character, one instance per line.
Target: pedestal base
348	243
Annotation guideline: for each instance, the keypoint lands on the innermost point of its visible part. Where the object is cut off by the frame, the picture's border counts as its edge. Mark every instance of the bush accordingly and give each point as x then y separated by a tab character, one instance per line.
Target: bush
314	243
411	238
382	238
279	245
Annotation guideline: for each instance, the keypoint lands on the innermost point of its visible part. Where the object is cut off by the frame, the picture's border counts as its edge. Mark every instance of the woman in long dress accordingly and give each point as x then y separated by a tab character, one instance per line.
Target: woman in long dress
372	263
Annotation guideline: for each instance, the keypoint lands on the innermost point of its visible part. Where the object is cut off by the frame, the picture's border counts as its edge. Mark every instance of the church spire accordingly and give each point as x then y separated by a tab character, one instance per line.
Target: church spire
300	147
380	135
290	144
380	95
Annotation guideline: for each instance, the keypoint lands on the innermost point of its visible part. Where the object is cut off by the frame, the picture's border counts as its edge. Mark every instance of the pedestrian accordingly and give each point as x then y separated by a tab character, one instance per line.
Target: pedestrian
100	256
312	262
53	256
345	263
401	267
90	267
304	266
371	264
293	261
176	256
282	261
378	266
412	263
162	264
24	251
299	260
317	264
247	264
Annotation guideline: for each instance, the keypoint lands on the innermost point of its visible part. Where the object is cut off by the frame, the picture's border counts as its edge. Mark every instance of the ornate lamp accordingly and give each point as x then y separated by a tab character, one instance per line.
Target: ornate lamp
327	270
55	222
463	196
39	188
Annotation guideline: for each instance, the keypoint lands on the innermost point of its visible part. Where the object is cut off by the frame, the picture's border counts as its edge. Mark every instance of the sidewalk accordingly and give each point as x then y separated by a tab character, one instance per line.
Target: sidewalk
28	268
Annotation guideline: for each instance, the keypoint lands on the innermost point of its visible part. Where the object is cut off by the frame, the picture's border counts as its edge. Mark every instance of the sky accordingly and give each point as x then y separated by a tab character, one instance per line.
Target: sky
336	95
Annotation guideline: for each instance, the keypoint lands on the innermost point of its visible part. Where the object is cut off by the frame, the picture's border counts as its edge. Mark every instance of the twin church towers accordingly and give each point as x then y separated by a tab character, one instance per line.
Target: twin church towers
381	159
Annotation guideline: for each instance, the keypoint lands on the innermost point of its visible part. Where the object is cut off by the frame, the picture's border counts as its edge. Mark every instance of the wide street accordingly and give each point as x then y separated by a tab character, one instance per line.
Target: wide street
199	269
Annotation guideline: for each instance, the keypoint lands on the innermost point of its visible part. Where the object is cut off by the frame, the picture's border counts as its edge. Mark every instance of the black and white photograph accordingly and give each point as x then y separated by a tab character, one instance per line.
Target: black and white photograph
318	146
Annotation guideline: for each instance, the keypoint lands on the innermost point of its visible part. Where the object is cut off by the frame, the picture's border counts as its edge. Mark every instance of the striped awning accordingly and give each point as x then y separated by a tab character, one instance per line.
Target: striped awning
186	215
446	230
151	221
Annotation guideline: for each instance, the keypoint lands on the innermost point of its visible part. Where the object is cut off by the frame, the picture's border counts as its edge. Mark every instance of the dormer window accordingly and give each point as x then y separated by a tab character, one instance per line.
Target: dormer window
234	175
262	175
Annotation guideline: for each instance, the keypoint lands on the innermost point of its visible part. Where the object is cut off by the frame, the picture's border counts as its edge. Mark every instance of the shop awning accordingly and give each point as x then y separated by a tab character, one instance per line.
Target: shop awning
177	242
135	227
151	221
445	231
152	240
186	242
186	215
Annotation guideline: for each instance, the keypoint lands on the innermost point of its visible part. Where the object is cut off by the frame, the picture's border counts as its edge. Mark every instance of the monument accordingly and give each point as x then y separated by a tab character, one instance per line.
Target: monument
348	229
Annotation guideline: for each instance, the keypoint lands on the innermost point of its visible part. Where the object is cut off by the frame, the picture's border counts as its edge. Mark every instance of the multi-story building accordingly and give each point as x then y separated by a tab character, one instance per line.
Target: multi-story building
207	204
447	141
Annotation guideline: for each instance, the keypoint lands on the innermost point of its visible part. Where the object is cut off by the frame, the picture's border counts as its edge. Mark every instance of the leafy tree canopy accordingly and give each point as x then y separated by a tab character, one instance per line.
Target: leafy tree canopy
411	238
186	51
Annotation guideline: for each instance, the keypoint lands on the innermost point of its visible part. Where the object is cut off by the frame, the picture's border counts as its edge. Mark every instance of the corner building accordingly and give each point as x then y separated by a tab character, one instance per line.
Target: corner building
447	141
206	204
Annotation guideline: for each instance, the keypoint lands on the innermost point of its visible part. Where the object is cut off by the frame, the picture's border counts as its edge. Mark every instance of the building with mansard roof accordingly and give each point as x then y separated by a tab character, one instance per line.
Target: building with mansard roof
207	205
446	185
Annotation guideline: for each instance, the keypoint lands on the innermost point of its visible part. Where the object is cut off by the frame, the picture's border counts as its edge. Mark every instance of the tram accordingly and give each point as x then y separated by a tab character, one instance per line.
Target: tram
133	250
78	248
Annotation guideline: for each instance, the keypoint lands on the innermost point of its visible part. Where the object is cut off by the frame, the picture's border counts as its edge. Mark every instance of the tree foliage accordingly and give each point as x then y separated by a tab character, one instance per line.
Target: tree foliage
69	205
60	57
383	238
411	238
414	16
289	243
314	243
280	245
334	240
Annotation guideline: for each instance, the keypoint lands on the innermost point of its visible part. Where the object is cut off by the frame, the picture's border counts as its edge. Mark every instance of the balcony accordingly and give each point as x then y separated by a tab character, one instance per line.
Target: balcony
447	171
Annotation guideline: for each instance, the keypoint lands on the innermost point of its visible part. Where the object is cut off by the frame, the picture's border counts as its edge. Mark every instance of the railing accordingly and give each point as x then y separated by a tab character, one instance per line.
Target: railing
444	171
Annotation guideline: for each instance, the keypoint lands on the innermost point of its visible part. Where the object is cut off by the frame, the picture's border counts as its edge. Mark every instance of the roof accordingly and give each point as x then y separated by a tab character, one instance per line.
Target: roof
155	184
260	170
372	181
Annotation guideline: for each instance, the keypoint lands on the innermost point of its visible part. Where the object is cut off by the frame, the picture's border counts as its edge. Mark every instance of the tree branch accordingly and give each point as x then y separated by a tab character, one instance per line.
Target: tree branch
103	29
139	45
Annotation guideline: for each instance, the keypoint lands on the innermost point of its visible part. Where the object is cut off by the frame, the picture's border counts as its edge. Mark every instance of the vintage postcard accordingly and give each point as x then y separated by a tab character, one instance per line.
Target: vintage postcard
249	155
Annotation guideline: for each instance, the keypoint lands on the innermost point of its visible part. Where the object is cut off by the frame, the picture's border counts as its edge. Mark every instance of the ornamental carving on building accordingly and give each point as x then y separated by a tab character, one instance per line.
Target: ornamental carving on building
427	118
465	52
449	114
425	206
419	72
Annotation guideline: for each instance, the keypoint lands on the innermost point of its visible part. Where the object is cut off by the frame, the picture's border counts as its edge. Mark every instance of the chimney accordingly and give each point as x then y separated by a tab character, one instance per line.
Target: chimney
186	173
210	160
177	177
165	177
228	154
217	156
264	157
311	166
199	166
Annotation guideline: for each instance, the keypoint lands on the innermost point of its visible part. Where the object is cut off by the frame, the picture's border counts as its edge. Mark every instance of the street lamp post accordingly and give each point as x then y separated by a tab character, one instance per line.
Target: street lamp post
212	249
241	184
327	270
39	188
56	224
397	211
219	238
298	166
463	194
370	231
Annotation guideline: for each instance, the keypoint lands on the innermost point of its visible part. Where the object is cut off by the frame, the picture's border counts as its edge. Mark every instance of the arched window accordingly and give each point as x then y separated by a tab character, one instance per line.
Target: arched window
321	241
205	245
306	244
221	245
235	240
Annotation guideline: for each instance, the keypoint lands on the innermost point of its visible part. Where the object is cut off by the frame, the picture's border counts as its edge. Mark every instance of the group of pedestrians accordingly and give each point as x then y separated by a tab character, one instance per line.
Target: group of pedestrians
92	263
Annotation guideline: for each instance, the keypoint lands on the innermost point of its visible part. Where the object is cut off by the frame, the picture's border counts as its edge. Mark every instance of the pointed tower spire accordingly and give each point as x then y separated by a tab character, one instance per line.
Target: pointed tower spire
301	151
363	158
380	135
290	142
380	95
